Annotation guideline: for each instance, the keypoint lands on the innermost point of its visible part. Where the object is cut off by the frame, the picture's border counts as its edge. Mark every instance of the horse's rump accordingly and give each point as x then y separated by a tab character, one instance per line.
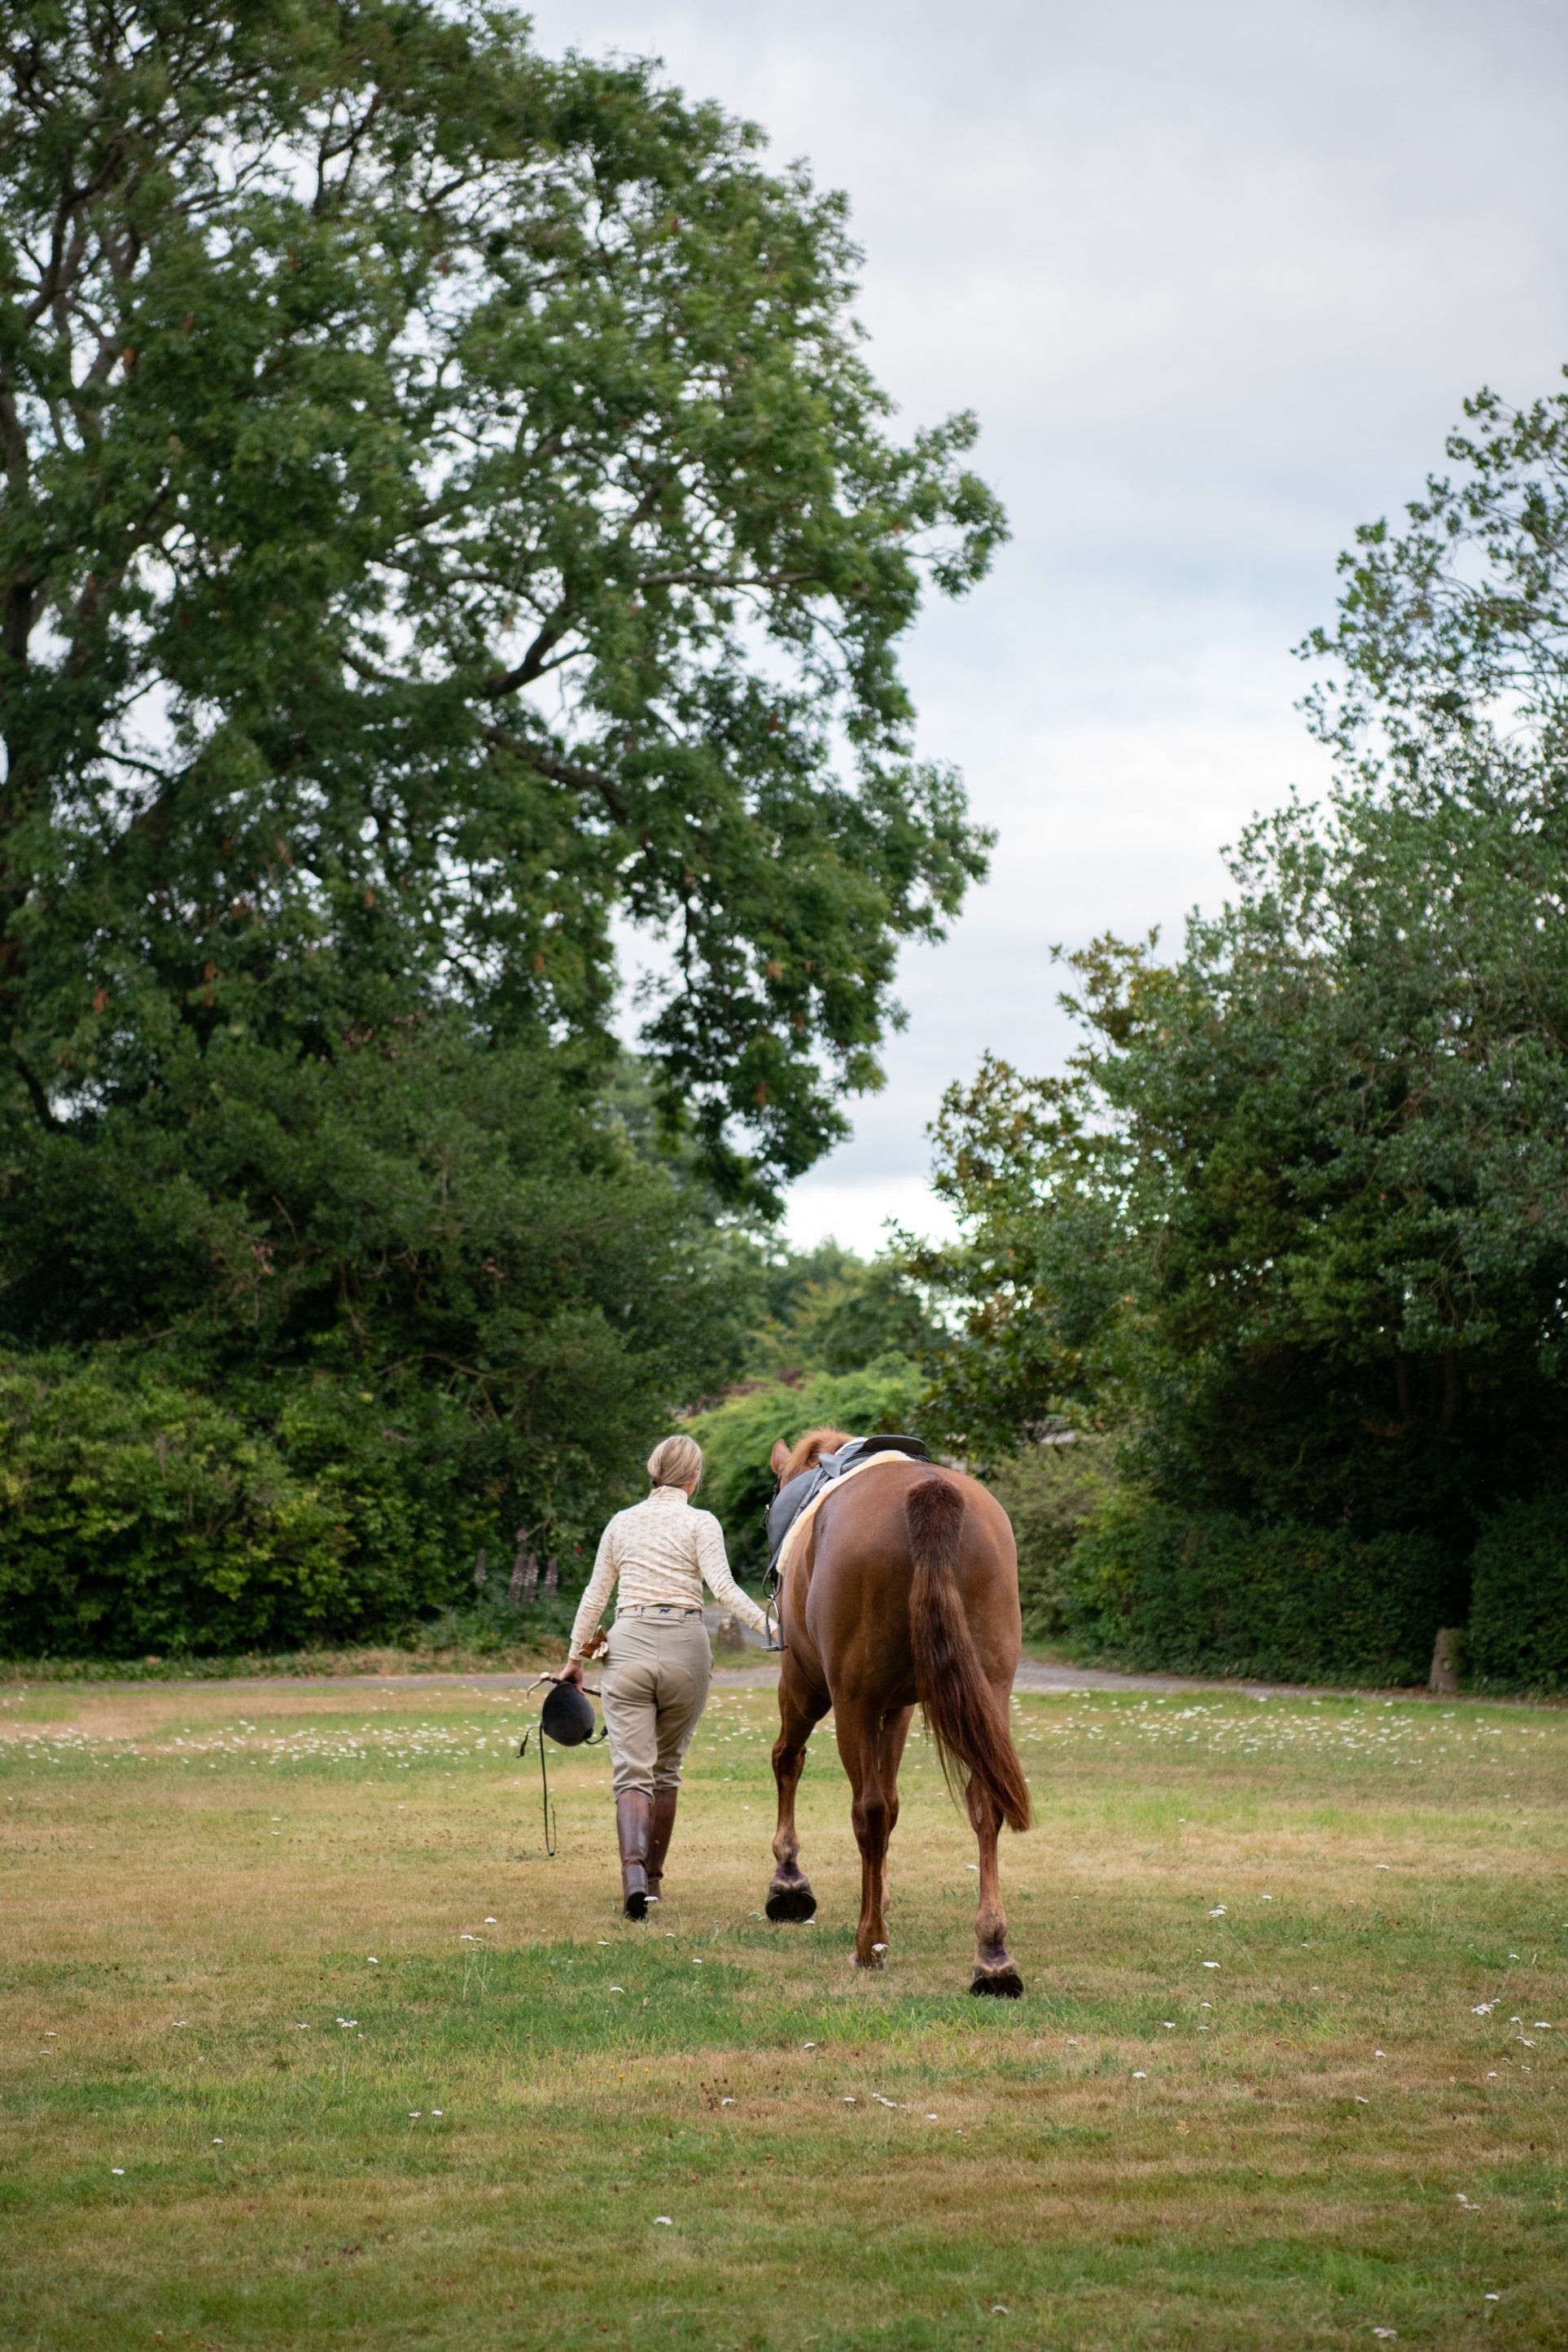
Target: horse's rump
972	1742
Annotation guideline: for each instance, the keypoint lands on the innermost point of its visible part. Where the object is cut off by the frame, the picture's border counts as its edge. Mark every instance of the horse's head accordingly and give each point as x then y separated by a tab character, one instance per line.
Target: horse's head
789	1460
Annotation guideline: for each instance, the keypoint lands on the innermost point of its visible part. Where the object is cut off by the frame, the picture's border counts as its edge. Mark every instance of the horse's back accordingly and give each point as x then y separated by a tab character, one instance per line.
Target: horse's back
862	1569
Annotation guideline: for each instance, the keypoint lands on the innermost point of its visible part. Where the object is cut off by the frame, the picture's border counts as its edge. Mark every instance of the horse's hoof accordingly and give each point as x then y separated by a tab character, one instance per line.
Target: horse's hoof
878	1958
791	1902
1001	1984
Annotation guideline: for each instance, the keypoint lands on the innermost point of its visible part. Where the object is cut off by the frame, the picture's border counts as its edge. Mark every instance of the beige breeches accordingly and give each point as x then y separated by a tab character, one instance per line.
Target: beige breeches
654	1689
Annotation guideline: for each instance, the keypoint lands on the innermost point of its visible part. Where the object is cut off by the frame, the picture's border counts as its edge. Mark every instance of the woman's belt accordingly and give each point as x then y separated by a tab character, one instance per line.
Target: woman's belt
661	1609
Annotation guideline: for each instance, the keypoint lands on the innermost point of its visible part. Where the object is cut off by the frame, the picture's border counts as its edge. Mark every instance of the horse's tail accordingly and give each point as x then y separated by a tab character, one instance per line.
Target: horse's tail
972	1742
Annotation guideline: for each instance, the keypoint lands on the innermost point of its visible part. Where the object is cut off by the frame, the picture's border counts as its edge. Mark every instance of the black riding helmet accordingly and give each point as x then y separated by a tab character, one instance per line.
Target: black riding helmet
566	1715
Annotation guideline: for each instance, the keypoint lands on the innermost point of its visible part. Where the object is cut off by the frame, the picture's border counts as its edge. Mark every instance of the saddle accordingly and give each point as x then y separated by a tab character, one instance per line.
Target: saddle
790	1500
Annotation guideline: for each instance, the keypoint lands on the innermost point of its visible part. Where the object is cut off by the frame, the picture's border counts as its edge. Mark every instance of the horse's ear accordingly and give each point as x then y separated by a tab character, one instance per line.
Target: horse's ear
778	1457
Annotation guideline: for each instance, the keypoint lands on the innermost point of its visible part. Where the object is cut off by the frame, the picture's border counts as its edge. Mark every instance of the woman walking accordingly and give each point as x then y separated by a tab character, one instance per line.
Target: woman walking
658	1665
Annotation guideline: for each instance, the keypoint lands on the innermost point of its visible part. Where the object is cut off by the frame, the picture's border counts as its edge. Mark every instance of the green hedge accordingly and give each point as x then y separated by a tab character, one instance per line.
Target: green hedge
1192	1592
1517	1634
1050	1493
138	1516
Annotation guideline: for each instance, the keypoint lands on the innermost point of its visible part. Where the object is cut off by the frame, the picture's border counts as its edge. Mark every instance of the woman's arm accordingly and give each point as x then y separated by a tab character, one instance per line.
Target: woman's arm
591	1608
714	1563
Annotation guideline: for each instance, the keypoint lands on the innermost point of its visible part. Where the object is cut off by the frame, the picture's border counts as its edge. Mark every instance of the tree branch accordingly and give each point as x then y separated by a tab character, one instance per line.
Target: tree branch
699	578
533	664
560	771
38	1098
13	441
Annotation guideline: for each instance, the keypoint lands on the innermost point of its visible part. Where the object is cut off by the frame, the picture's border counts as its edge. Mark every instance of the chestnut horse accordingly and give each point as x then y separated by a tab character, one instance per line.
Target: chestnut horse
902	1592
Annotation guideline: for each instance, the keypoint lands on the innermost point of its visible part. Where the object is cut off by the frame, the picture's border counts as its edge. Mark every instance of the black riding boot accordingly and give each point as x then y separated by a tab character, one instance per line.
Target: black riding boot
632	1819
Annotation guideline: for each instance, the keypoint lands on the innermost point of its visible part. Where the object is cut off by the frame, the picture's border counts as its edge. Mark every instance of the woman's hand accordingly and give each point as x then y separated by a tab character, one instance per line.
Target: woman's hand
572	1672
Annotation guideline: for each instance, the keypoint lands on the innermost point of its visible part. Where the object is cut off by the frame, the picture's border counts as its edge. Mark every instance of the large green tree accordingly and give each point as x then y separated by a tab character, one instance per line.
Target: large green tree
446	510
446	522
1296	1216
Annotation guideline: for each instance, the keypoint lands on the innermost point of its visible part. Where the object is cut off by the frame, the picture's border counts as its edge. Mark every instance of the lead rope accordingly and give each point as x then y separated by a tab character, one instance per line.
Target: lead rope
543	1785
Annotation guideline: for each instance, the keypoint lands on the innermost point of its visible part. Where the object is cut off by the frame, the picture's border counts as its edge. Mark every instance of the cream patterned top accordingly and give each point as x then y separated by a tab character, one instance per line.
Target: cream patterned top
663	1552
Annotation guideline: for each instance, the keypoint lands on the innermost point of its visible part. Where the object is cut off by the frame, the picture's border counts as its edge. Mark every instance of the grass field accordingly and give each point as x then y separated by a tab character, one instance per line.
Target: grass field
1287	2070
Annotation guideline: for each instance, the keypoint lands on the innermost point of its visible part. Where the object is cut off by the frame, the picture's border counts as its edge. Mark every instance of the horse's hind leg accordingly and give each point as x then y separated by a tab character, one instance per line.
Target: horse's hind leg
801	1709
870	1761
994	1971
890	1755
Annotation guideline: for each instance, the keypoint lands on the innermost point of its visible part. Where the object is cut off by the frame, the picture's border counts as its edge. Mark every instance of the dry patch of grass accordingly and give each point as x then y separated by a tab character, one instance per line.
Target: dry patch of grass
308	2043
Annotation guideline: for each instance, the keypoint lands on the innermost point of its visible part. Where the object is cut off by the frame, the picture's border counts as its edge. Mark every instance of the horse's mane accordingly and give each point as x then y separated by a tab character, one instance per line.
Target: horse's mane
806	1451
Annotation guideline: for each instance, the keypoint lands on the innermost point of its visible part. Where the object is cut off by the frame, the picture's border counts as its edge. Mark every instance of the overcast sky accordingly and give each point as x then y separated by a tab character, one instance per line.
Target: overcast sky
1216	279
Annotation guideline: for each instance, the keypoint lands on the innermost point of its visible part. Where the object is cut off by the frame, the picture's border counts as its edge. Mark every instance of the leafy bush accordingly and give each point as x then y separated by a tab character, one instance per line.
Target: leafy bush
489	1625
1518	1632
738	1437
153	1519
1050	1493
1207	1592
421	1223
140	1514
423	1290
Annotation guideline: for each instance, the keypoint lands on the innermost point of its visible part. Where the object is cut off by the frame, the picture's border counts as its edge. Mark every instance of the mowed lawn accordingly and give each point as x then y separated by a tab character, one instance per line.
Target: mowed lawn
309	2043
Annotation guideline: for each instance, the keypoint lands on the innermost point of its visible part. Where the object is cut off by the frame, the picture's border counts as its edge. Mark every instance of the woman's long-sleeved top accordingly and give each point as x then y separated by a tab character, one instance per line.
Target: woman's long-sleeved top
662	1551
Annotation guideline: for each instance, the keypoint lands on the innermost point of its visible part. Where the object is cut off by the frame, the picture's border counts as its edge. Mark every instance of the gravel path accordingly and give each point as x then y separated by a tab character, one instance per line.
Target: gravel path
1033	1674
